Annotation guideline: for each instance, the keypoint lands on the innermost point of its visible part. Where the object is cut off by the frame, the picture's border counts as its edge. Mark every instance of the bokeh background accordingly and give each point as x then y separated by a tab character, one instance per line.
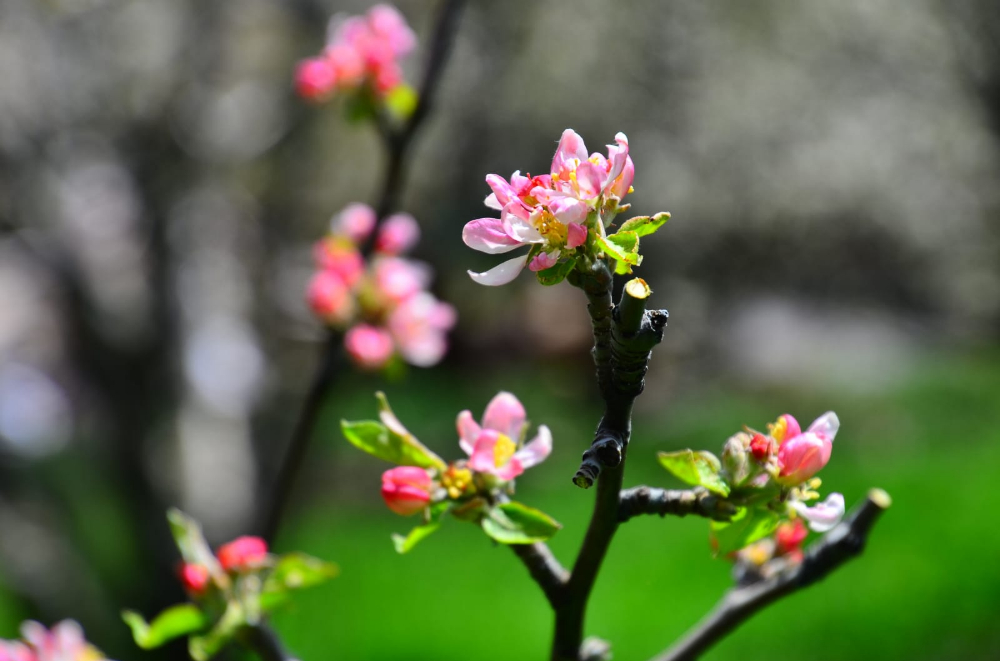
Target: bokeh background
832	170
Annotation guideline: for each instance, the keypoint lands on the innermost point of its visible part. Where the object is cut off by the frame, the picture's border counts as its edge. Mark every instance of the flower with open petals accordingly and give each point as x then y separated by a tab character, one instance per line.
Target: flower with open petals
551	212
493	448
822	516
802	455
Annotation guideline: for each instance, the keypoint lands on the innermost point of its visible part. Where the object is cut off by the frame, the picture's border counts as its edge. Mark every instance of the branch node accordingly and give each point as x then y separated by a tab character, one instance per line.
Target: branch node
606	452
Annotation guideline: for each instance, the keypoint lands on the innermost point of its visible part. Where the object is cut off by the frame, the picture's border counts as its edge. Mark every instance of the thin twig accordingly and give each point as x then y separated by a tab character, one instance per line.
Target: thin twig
834	549
397	143
650	500
544	568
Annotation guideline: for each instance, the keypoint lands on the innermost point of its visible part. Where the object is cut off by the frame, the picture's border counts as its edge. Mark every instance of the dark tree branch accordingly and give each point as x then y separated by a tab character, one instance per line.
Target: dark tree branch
397	143
623	339
834	549
544	568
649	500
263	642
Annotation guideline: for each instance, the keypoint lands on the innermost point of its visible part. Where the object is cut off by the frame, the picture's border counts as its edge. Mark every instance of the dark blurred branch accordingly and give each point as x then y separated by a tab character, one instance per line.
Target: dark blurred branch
544	568
649	500
263	641
397	143
834	549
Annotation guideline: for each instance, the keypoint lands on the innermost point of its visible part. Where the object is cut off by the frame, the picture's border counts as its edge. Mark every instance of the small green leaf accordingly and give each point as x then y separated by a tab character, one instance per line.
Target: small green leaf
516	523
696	468
627	241
298	570
748	526
624	257
174	622
390	441
401	101
556	274
202	648
191	542
644	225
430	525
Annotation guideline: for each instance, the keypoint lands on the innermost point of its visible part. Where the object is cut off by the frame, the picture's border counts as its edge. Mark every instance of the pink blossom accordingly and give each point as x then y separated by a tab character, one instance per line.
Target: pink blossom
550	211
247	552
418	327
194	578
355	222
330	298
802	455
398	279
315	79
493	447
340	256
63	642
406	489
822	516
398	234
370	347
789	536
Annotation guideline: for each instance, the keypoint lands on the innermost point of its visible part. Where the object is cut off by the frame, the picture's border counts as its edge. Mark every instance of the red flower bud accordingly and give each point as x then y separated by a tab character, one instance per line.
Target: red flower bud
406	489
242	553
790	536
760	447
194	578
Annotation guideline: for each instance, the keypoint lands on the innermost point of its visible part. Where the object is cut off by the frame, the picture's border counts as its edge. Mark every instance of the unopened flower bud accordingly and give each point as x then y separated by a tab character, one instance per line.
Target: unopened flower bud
760	447
398	234
356	222
194	578
790	536
315	79
243	553
406	489
330	298
370	347
735	460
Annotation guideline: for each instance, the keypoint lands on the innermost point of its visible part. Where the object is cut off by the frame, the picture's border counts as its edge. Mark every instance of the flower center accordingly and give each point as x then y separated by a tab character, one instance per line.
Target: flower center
549	227
503	450
455	481
778	429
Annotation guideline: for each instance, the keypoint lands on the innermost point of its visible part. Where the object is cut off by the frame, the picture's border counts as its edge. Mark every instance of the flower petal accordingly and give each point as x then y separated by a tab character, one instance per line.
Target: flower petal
468	431
826	426
488	235
823	516
536	451
576	235
483	456
570	147
505	414
544	260
590	180
501	274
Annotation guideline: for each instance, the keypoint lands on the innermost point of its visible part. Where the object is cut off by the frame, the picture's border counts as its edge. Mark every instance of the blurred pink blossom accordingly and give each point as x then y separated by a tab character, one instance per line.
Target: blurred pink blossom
493	448
398	234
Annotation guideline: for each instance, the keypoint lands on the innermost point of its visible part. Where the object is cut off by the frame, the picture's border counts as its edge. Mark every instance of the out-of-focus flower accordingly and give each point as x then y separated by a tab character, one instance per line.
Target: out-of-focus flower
242	553
361	52
789	536
552	213
383	303
406	489
194	578
63	642
822	516
369	346
802	455
493	447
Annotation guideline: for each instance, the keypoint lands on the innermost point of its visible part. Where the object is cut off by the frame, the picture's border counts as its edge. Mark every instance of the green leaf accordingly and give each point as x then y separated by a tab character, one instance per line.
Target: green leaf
174	622
516	523
622	249
556	274
697	468
749	525
415	536
298	570
191	542
643	225
389	440
627	241
401	101
202	648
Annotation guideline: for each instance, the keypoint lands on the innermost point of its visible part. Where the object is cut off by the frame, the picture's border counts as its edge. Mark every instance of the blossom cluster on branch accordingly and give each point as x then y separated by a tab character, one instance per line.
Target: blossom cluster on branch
63	642
475	488
381	303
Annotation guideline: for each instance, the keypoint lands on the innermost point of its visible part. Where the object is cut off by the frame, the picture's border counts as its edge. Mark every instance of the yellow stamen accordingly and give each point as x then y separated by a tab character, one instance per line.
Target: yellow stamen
455	481
548	226
778	429
503	450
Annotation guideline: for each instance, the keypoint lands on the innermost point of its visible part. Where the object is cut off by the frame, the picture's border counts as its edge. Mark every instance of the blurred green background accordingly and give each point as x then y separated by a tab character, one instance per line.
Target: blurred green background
832	173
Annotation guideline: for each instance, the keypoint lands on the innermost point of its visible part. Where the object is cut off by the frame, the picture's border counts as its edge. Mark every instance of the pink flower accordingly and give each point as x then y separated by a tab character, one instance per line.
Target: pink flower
418	327
789	536
398	279
493	447
63	642
370	347
802	455
315	80
356	222
245	552
822	516
342	257
398	234
330	298
194	578
550	211
406	489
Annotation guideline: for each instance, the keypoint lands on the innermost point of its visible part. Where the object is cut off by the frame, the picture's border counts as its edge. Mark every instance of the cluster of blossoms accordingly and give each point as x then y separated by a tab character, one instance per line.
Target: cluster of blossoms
242	555
361	53
553	213
474	488
384	303
63	642
769	478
